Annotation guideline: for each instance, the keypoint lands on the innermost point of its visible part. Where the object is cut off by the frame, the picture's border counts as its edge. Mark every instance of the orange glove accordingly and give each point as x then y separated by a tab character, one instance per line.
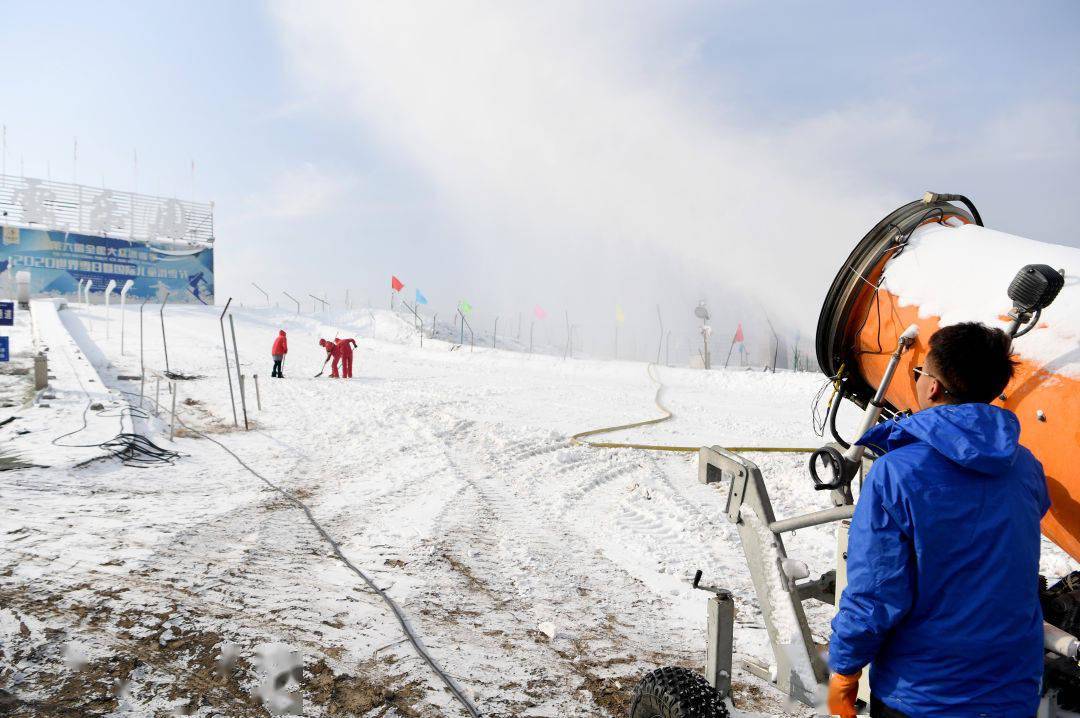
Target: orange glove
843	691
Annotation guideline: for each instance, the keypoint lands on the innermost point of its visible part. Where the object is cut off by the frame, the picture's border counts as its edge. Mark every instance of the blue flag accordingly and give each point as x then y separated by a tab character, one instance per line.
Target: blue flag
420	298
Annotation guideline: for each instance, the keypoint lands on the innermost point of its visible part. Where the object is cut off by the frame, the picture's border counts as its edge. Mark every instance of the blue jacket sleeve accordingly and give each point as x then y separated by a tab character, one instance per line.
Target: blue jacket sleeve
881	572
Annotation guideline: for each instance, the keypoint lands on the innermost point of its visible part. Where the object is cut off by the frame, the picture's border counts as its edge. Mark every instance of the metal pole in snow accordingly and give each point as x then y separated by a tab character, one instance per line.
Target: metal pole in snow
108	292
264	293
495	334
660	345
258	398
123	298
142	361
172	421
295	300
164	343
532	325
228	373
567	349
236	355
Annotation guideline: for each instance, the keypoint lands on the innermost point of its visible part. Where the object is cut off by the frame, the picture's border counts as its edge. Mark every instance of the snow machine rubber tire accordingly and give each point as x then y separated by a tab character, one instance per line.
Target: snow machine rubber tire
672	692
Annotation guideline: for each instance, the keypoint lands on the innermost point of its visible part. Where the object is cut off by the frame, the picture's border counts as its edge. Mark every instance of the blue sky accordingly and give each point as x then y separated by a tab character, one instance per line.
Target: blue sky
571	154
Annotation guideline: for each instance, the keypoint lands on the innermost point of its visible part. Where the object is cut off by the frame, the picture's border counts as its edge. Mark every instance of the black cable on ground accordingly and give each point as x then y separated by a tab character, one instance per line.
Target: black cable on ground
132	449
398	613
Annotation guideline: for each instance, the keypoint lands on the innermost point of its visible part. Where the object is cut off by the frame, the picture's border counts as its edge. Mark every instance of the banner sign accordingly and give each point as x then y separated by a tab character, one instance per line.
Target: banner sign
5	349
99	212
7	314
57	260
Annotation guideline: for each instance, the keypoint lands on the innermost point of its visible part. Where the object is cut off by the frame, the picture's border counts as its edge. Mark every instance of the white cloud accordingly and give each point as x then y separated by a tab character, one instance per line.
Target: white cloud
299	194
575	173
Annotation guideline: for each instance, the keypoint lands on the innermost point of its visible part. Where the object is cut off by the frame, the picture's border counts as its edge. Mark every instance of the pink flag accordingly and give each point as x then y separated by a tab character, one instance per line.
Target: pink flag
539	312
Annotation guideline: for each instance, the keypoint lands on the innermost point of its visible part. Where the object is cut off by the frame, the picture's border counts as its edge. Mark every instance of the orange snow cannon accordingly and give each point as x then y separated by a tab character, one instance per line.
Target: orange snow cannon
932	263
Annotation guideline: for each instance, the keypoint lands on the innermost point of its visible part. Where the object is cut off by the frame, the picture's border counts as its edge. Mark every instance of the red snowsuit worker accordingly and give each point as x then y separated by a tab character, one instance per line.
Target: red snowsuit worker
332	352
345	350
278	351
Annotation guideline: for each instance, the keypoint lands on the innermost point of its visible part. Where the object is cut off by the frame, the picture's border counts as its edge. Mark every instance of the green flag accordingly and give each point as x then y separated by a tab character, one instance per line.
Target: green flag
464	307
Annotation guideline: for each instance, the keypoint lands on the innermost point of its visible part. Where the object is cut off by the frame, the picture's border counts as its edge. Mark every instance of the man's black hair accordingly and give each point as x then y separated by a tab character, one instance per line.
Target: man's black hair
973	361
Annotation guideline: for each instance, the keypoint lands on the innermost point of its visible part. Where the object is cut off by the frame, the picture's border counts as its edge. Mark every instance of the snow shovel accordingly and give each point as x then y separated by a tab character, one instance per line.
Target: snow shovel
322	369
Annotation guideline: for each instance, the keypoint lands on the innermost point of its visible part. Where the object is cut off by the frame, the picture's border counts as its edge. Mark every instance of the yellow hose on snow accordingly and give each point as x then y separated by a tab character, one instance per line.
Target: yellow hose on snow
580	440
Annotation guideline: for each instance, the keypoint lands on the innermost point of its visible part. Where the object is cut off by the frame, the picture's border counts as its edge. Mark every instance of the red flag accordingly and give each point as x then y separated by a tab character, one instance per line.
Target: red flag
738	334
539	312
396	283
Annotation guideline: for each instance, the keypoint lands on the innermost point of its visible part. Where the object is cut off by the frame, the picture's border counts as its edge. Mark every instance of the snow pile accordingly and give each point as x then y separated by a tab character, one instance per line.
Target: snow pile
961	274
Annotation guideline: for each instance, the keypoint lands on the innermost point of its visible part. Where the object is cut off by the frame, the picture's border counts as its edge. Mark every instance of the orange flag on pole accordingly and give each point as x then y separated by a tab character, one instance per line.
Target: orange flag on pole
738	334
396	283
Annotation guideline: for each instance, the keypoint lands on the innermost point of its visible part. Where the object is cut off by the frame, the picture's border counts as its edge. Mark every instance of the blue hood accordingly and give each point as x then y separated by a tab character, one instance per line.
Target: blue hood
979	437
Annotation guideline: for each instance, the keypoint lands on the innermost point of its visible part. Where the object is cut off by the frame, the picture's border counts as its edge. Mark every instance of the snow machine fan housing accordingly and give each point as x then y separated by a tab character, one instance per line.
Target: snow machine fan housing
853	294
942	267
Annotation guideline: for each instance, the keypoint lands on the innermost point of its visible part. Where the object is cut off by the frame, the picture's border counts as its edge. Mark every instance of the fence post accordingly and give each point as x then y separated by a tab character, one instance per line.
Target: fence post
108	292
228	374
164	343
661	342
264	293
142	362
123	314
567	349
295	300
258	398
239	374
172	421
495	334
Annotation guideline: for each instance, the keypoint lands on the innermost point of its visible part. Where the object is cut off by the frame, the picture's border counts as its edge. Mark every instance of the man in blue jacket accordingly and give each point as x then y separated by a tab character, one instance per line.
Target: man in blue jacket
943	556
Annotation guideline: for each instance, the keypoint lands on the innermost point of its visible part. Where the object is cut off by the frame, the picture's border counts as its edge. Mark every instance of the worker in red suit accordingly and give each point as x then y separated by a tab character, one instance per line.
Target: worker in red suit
345	350
332	352
278	352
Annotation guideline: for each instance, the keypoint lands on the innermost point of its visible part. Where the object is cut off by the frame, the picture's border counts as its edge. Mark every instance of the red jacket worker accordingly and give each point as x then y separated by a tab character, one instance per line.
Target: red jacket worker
332	352
345	350
278	351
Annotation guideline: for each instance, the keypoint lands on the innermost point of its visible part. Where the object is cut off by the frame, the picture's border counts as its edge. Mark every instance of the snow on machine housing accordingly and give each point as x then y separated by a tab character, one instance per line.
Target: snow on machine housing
928	264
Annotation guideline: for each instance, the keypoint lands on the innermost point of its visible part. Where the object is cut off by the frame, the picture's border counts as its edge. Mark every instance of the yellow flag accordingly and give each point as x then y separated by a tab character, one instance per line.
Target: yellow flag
619	316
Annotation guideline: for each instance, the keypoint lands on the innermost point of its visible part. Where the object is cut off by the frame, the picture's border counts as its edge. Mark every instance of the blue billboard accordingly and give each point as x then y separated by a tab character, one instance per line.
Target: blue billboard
58	260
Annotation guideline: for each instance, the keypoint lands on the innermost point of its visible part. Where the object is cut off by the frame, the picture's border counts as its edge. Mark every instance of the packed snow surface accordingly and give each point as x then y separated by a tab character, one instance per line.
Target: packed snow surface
545	577
961	274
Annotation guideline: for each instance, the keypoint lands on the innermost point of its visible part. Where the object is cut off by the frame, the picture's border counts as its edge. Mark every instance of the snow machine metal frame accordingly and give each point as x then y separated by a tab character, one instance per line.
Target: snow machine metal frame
782	584
798	668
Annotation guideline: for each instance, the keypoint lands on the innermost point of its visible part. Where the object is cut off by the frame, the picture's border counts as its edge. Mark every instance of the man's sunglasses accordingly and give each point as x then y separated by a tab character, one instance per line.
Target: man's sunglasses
917	371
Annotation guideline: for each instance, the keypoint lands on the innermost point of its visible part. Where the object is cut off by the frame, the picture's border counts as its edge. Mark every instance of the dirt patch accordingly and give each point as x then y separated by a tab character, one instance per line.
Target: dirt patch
166	655
472	581
369	689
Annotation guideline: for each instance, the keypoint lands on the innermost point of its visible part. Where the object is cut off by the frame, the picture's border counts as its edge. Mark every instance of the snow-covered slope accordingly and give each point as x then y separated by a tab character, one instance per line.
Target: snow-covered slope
545	577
